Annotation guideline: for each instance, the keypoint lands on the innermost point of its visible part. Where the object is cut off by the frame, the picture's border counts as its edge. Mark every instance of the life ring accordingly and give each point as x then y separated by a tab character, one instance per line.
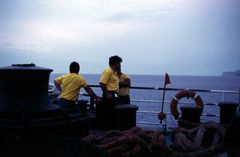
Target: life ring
185	93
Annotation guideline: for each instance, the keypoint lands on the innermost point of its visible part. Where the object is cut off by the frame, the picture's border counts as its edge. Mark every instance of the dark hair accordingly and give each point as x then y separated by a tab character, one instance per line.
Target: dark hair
114	60
74	67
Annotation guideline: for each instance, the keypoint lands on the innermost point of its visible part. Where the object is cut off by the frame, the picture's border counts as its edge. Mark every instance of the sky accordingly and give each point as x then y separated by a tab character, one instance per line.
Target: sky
178	37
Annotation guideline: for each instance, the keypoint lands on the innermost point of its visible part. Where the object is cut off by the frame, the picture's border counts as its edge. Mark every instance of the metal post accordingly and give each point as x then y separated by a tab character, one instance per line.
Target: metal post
223	96
238	100
163	97
165	126
239	96
91	103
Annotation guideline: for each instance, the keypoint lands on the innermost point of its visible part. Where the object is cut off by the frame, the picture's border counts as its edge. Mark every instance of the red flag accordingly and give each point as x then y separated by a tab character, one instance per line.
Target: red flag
167	79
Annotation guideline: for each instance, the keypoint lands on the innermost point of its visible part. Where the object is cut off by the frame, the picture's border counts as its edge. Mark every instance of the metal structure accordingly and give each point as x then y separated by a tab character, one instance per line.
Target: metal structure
26	113
159	102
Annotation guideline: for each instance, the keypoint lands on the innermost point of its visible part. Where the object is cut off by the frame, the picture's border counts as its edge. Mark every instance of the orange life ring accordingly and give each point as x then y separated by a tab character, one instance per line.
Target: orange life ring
185	93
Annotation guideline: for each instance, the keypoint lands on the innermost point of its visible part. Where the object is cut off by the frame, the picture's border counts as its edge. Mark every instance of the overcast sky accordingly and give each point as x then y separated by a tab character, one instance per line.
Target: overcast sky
180	37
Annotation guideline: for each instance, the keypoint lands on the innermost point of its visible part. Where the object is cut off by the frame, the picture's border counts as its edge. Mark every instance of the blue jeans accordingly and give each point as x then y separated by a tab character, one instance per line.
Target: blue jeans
66	103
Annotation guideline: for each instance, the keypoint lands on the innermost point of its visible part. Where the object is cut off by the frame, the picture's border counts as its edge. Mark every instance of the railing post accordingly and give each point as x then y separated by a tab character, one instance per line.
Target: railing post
238	109
223	96
239	96
91	103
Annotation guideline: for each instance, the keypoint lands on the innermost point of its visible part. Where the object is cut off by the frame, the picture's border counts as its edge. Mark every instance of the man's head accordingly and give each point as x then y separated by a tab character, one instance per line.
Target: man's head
74	67
115	62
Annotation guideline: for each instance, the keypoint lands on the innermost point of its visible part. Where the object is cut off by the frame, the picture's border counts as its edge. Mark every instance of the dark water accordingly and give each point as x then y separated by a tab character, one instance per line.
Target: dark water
230	83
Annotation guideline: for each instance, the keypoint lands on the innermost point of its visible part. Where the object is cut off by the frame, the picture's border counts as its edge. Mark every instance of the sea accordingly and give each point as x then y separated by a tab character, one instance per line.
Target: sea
224	89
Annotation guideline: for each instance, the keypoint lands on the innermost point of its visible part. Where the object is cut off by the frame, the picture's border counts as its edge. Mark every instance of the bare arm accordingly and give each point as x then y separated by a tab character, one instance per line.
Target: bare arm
90	92
58	86
105	91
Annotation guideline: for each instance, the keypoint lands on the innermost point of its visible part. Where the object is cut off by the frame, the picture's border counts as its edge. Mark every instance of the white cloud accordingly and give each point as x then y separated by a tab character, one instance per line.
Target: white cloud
82	22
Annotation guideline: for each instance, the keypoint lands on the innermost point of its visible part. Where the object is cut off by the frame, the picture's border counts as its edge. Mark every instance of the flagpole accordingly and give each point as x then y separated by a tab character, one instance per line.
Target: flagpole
161	114
163	97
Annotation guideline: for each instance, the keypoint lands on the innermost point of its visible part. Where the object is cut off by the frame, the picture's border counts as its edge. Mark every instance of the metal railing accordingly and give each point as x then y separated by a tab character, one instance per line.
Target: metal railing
222	92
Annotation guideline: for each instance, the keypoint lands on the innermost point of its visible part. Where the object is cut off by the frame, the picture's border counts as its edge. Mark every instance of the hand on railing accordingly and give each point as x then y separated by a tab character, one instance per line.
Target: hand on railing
98	100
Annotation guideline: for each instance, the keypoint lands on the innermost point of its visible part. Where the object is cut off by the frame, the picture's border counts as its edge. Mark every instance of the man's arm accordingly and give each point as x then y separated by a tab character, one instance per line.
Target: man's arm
92	94
58	86
105	91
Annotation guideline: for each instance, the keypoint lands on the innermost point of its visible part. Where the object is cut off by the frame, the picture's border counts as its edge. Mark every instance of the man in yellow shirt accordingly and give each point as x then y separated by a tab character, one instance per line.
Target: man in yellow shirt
69	86
109	81
124	84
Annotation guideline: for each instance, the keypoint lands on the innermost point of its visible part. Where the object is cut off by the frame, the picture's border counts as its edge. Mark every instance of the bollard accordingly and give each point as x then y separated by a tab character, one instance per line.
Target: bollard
232	137
105	116
125	116
227	111
191	114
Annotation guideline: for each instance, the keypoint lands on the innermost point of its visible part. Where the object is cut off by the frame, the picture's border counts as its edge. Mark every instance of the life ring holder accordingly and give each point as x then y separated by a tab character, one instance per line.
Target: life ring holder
185	93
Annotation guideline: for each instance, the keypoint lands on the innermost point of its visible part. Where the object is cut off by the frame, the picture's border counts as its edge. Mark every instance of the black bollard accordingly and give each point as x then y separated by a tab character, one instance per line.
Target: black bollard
227	111
191	113
232	137
190	116
125	116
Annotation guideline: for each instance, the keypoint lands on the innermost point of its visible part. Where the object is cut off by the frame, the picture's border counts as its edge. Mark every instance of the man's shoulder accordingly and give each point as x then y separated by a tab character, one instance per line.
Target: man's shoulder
74	75
66	75
80	77
108	70
61	76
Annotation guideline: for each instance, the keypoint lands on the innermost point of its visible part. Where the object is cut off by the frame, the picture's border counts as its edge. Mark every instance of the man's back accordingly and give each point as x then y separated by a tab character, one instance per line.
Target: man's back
71	84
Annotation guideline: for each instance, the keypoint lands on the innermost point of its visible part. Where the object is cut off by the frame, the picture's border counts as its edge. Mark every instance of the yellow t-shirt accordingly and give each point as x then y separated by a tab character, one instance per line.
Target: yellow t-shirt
71	84
110	78
123	91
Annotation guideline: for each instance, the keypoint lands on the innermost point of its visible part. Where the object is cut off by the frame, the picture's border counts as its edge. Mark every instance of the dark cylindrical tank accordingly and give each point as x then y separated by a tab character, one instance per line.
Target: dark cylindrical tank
125	116
191	113
26	113
190	116
24	88
232	137
227	111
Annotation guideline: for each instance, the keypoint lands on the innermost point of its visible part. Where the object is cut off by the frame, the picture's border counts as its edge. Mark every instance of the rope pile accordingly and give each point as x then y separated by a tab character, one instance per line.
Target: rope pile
131	143
202	141
205	140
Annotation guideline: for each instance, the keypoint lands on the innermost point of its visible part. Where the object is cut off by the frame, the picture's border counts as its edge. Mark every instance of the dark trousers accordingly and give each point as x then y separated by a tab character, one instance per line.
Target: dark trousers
80	105
105	113
66	103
